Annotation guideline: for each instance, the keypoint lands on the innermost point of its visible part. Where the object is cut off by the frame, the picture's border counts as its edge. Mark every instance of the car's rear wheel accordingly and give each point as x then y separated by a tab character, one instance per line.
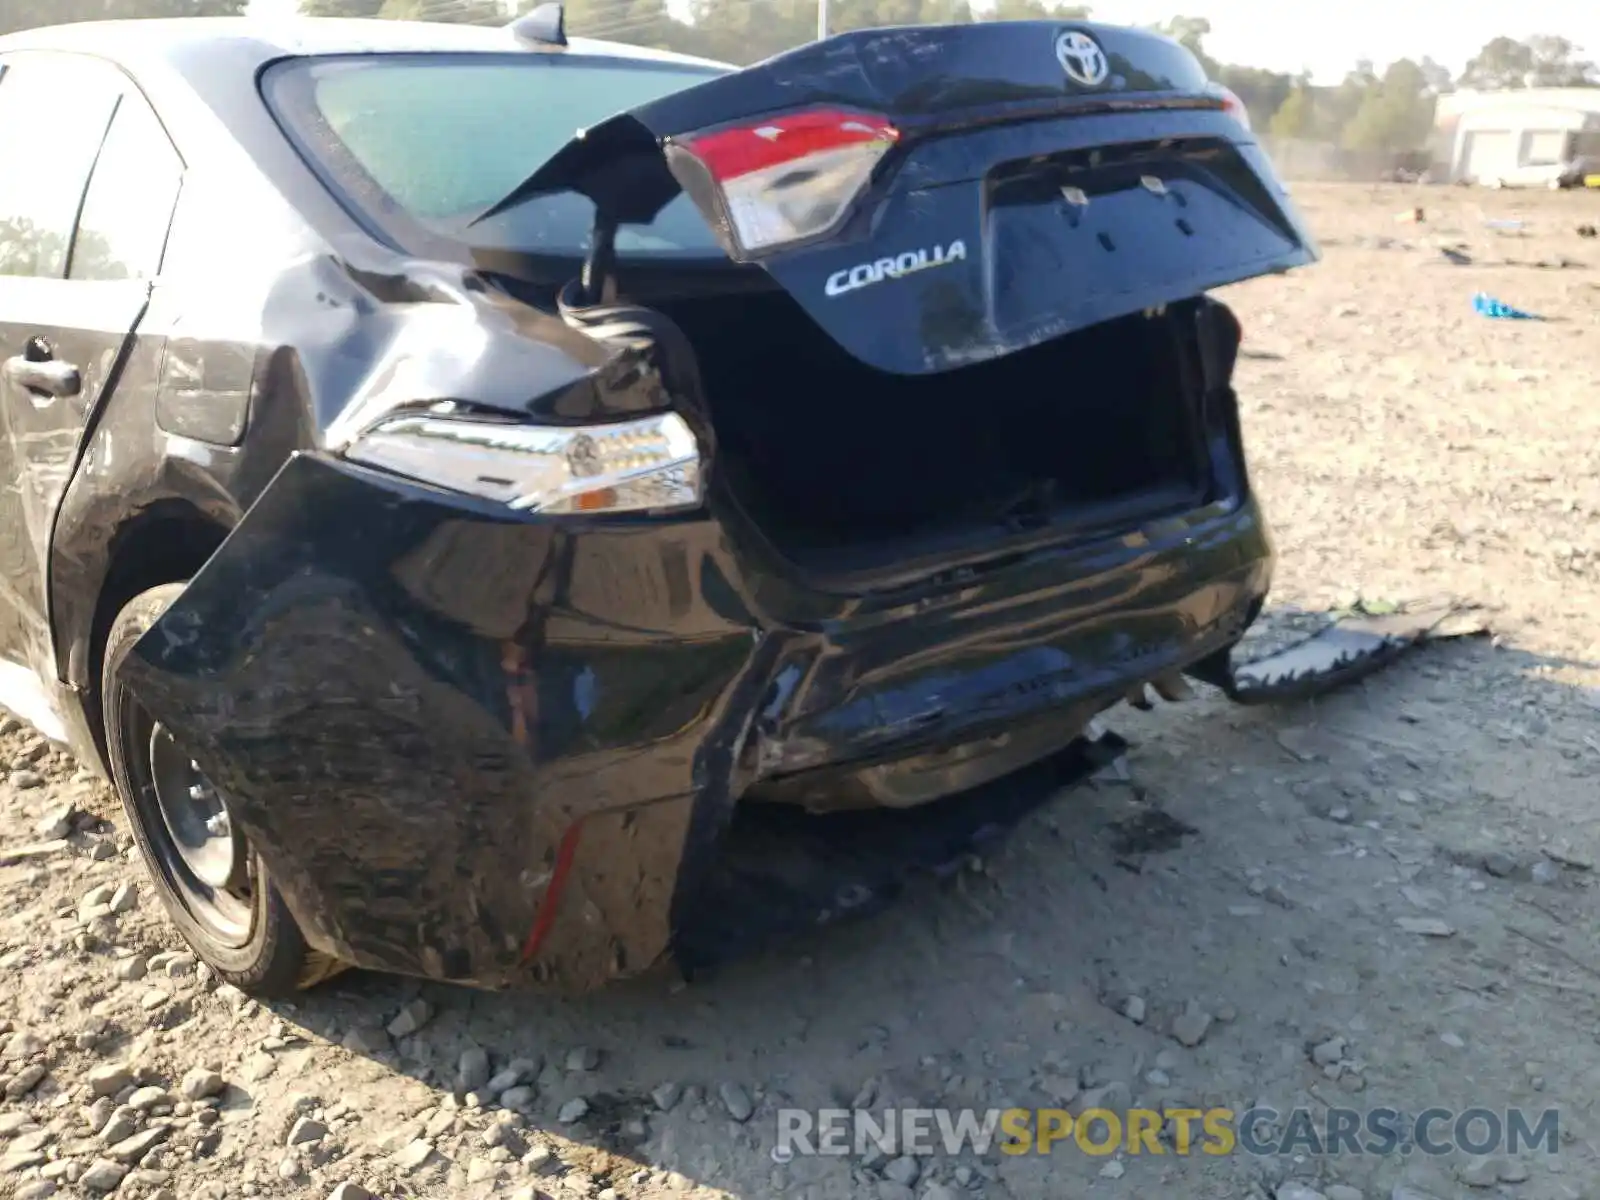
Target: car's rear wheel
208	876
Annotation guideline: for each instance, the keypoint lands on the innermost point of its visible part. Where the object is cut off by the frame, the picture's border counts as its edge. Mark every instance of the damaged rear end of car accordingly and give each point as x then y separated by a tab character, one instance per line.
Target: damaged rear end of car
837	533
973	290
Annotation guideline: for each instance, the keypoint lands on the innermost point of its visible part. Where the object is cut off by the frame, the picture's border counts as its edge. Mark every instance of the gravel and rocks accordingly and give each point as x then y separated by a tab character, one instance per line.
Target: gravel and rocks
200	1083
472	1071
1191	1025
103	1175
736	1100
306	1131
582	1058
1387	899
413	1015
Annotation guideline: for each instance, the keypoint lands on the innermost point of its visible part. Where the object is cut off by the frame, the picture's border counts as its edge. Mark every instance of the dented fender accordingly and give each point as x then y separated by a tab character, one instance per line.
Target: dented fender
432	718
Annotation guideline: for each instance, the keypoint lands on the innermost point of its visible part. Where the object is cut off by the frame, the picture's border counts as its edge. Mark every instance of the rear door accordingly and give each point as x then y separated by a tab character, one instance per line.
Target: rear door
88	181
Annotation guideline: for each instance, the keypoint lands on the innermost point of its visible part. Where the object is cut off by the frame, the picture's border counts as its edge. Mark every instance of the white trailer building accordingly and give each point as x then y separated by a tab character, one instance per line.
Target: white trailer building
1516	138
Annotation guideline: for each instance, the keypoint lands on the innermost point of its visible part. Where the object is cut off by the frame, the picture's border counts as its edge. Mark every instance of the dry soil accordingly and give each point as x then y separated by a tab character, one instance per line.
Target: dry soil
1388	898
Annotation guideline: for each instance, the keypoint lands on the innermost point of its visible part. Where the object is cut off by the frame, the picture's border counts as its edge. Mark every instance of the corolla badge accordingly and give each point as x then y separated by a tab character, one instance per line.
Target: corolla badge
1082	58
868	273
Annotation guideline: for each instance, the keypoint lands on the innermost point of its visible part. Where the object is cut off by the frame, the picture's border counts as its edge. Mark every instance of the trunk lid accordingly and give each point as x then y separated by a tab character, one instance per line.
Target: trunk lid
1036	177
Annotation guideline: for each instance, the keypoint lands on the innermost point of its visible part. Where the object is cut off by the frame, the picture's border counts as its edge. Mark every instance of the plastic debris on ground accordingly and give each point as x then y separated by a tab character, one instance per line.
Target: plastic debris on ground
1351	643
1486	305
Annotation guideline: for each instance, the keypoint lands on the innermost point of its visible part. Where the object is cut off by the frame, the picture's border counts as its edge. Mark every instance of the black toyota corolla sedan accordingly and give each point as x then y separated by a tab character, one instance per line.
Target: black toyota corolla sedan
452	474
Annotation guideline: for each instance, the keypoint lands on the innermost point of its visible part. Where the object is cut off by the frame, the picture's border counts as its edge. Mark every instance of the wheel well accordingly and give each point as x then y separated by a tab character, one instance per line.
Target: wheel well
167	543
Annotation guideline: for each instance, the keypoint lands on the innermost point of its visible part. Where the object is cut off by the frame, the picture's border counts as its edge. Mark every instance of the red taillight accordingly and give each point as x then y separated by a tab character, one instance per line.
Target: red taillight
788	178
1232	105
730	153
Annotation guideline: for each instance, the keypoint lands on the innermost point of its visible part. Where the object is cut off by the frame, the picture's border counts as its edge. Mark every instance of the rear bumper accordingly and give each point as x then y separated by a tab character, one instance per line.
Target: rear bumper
485	747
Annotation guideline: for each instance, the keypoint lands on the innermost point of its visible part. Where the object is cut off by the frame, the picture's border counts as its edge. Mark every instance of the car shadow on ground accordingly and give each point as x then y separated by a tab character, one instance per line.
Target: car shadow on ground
1250	864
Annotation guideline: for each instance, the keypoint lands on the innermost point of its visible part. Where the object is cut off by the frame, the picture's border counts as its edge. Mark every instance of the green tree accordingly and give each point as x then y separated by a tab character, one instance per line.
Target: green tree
1191	33
25	249
1556	64
1542	61
1502	63
1034	10
1394	115
1337	106
636	22
26	14
846	15
1296	116
1438	76
1262	91
456	12
341	8
745	31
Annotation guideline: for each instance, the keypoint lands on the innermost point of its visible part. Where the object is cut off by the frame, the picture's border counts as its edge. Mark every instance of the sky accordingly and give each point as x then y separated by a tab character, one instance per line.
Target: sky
1327	37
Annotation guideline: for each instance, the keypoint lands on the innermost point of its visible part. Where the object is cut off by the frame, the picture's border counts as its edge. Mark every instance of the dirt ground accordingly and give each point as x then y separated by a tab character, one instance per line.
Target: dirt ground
1387	898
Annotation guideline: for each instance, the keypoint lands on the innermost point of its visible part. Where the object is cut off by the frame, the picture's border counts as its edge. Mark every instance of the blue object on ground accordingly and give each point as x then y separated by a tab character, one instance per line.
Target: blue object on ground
1486	305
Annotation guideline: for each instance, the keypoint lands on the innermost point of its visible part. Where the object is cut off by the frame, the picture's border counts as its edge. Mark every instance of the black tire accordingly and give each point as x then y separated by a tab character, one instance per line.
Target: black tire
242	929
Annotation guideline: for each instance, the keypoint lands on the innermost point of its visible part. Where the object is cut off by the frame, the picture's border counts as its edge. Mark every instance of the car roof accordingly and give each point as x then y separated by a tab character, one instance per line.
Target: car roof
174	42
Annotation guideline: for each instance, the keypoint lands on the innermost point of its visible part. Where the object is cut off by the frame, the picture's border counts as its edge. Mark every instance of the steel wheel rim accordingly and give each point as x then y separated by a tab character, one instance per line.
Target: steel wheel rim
195	817
196	845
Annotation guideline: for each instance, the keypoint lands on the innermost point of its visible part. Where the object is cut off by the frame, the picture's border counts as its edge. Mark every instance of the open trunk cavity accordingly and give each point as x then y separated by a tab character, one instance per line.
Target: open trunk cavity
846	468
964	230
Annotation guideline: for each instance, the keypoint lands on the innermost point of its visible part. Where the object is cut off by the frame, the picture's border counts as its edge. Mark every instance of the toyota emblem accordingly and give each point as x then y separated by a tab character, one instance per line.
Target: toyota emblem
1082	58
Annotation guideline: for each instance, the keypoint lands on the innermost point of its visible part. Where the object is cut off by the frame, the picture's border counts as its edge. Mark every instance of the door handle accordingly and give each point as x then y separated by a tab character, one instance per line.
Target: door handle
50	378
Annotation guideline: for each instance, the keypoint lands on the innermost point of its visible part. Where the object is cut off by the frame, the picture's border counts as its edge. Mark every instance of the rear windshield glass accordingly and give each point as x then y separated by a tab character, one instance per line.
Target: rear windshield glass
436	139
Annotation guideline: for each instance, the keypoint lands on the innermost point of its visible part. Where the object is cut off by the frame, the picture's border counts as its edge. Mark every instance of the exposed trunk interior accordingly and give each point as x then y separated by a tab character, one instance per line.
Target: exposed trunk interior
846	468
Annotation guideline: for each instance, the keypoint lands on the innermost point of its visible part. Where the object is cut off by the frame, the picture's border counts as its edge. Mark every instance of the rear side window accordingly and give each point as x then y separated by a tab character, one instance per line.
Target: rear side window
128	208
54	110
438	138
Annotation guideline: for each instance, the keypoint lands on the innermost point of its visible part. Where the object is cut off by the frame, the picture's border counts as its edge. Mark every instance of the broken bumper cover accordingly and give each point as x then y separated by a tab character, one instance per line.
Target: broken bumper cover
486	747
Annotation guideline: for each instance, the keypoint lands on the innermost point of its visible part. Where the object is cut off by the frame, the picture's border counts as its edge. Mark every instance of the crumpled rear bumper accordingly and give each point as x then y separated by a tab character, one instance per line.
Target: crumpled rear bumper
486	747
